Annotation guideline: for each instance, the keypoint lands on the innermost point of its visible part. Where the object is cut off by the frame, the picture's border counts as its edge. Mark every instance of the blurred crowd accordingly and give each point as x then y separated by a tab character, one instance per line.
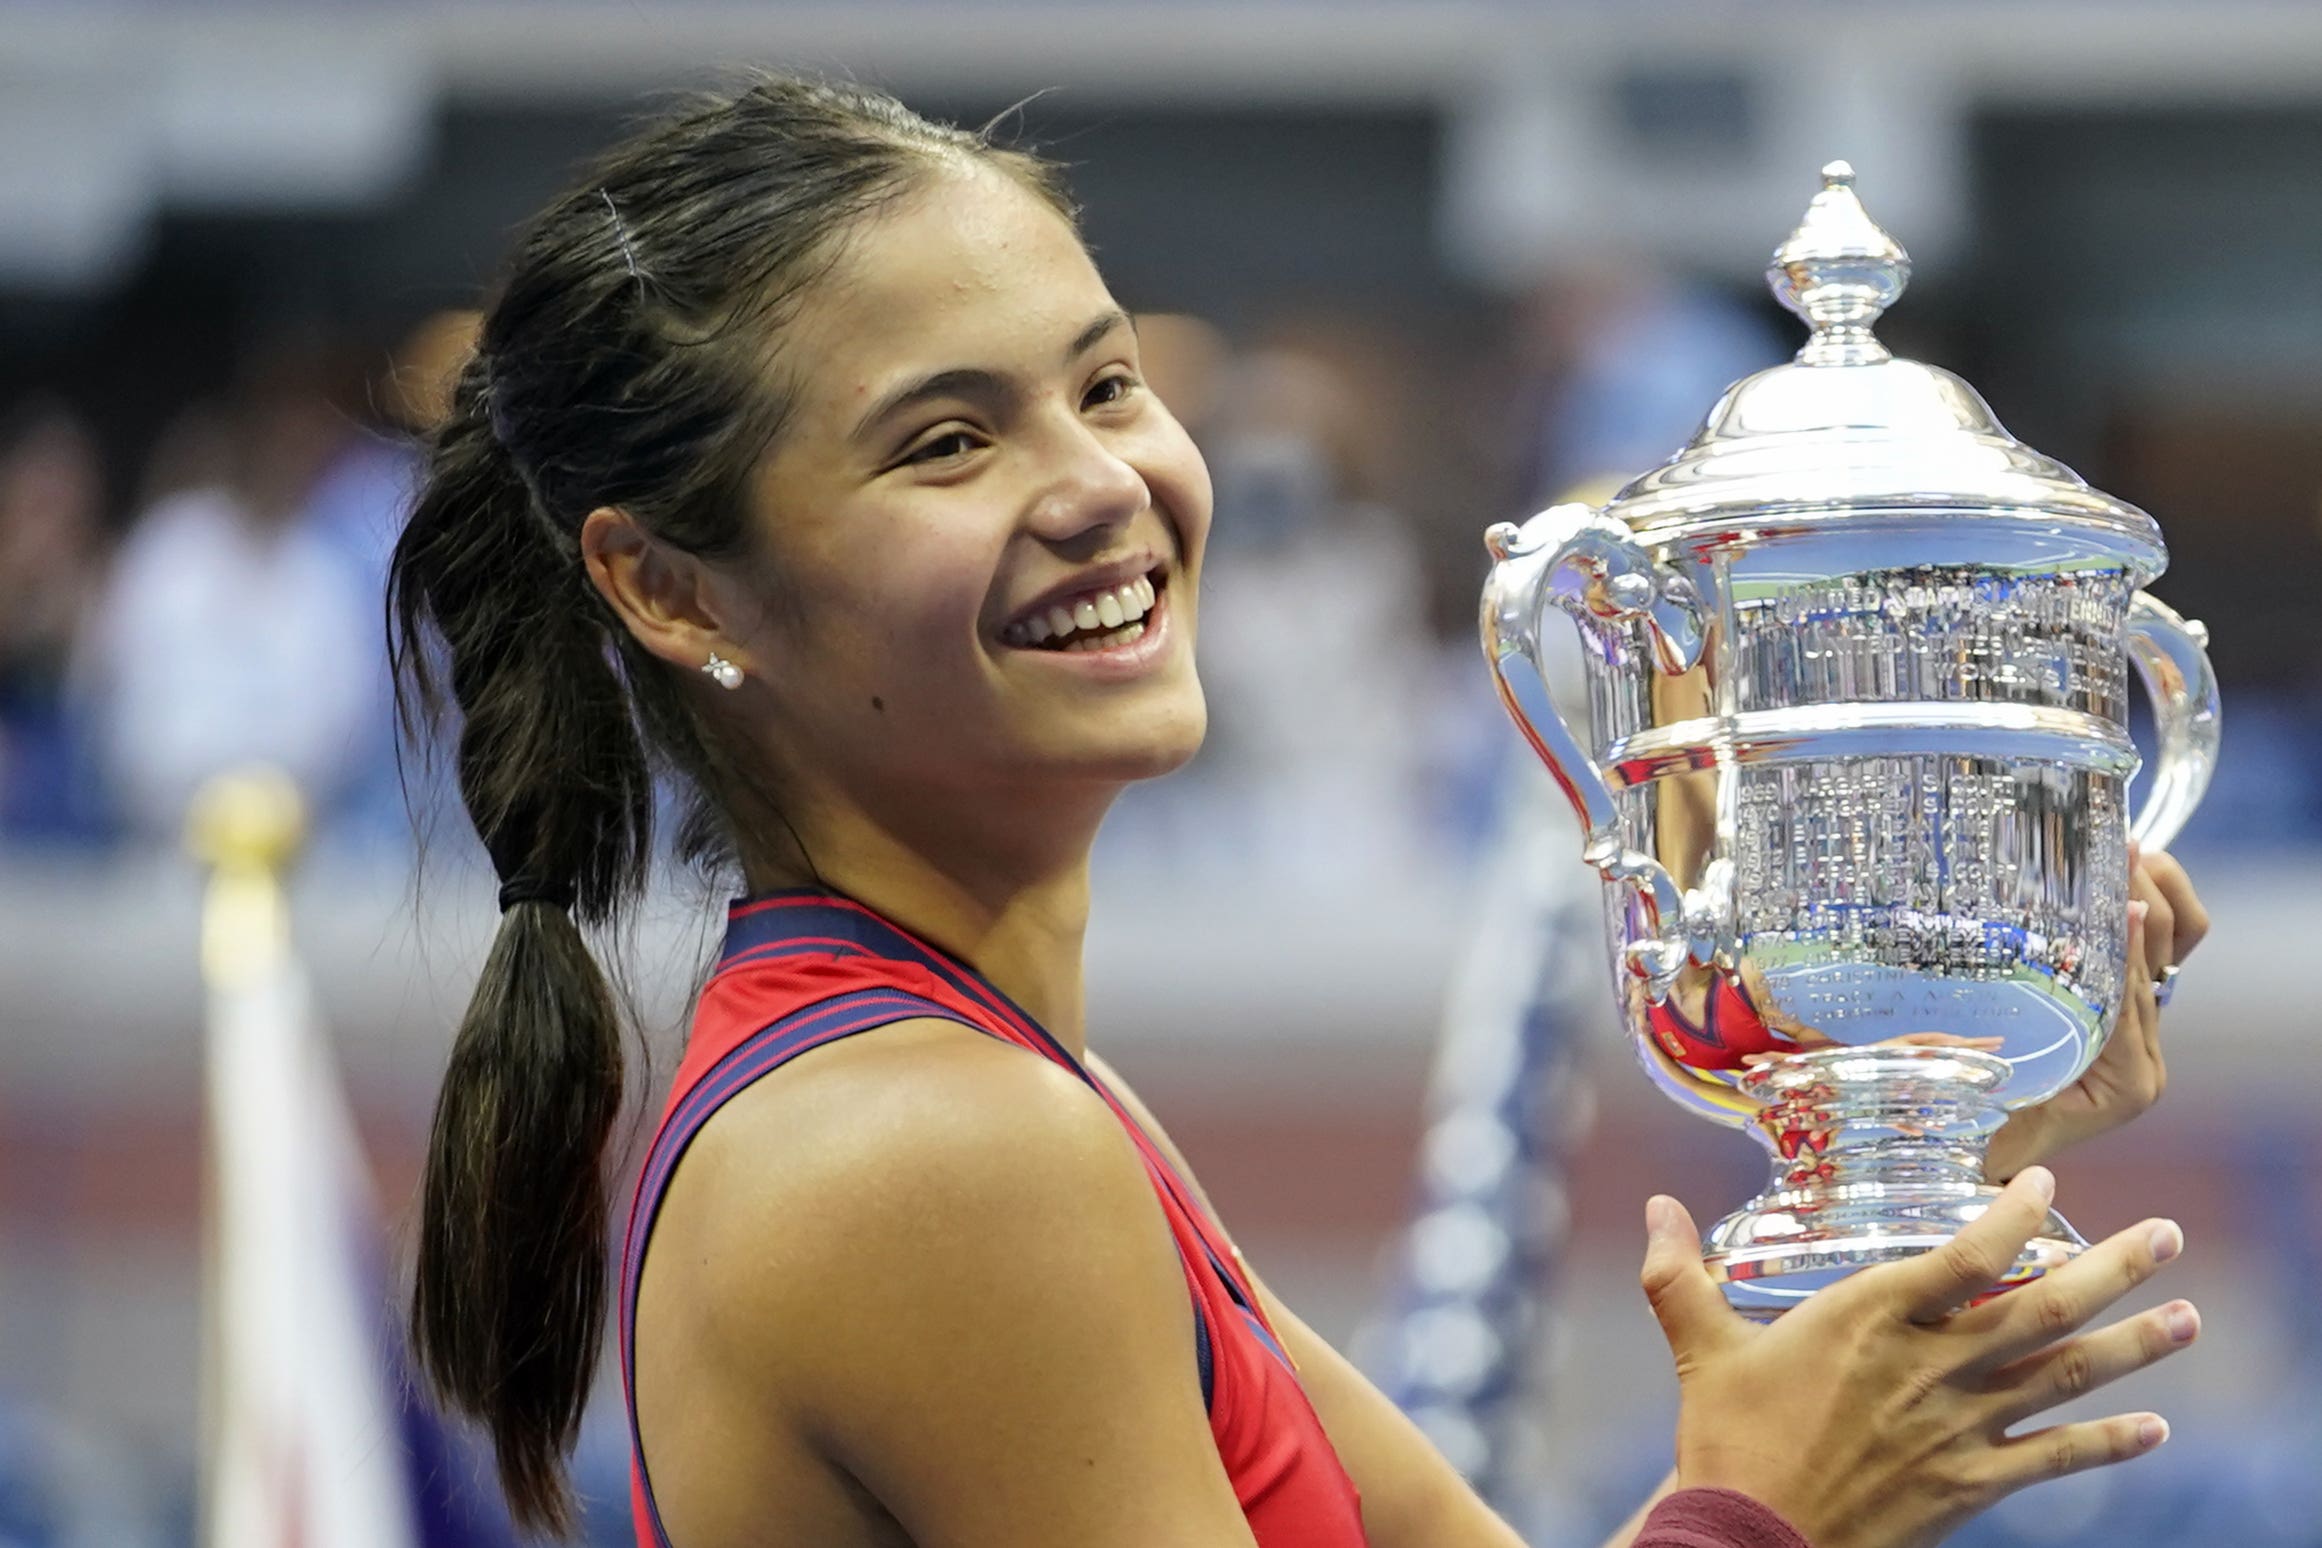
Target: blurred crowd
235	616
219	601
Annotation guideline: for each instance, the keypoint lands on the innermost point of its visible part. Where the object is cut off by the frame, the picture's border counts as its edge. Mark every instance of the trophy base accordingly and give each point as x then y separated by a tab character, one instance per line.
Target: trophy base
1878	1156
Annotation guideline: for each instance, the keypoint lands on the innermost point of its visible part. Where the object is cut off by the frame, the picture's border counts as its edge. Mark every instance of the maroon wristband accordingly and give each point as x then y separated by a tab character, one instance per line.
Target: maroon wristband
1716	1518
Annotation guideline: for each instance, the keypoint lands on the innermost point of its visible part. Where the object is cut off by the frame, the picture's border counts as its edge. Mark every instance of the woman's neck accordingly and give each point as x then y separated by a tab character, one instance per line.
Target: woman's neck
1014	908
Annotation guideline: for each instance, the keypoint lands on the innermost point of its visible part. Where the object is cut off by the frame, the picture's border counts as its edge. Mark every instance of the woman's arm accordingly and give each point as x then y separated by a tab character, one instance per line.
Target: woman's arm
1412	1496
1892	1395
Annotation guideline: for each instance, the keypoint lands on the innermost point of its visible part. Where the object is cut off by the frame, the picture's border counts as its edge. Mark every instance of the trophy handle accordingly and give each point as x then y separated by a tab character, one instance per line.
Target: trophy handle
1586	563
2171	655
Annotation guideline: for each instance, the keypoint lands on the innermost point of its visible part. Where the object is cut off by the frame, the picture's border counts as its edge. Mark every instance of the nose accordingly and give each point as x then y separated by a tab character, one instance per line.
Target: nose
1091	489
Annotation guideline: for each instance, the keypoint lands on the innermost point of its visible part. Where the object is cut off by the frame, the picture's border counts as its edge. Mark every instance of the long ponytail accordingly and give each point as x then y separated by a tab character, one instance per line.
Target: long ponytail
509	1293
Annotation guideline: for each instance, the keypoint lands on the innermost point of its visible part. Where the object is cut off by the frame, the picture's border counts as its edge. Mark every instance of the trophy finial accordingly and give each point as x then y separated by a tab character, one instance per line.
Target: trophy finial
1839	271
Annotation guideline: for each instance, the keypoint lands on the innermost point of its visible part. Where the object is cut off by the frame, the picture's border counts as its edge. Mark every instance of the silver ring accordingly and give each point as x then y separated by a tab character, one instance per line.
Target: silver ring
2165	985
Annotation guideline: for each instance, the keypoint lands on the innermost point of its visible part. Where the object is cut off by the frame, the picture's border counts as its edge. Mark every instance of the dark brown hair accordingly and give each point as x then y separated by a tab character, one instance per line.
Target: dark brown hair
629	357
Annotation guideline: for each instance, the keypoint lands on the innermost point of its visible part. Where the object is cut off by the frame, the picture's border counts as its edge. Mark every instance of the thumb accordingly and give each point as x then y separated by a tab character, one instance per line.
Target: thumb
1691	1309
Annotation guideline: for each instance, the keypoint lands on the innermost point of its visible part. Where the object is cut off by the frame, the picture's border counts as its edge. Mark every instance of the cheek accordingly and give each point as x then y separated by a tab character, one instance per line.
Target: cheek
913	606
1174	471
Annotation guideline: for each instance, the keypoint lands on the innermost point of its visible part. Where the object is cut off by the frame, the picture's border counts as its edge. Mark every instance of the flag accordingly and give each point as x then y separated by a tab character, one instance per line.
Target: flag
305	1439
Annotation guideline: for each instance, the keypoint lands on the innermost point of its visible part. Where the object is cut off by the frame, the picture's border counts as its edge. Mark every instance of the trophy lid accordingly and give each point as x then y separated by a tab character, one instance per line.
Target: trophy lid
1846	429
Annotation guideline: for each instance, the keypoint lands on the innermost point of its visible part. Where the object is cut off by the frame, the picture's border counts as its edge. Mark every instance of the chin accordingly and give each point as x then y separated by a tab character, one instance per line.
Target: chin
1157	740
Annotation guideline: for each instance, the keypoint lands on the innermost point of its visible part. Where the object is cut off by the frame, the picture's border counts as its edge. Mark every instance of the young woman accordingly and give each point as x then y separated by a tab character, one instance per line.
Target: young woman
804	455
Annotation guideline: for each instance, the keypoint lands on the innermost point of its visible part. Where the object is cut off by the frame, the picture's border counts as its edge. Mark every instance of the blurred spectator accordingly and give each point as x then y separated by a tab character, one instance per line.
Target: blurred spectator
195	450
365	491
1313	633
232	630
358	506
52	546
1625	361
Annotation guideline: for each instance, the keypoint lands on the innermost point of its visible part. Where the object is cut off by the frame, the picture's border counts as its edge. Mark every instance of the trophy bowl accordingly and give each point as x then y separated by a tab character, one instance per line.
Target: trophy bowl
1855	768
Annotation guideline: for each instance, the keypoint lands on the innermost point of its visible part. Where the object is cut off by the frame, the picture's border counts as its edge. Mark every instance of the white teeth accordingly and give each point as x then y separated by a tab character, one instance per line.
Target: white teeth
1127	634
1122	608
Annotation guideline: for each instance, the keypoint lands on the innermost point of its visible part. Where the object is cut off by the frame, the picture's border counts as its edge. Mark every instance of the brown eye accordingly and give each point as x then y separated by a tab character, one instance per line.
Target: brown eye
953	443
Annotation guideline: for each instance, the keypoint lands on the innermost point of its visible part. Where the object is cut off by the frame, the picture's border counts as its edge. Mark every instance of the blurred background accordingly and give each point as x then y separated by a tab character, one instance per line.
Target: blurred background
1404	269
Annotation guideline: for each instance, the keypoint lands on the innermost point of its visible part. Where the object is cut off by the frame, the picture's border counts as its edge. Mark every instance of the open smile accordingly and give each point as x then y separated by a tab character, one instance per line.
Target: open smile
1100	619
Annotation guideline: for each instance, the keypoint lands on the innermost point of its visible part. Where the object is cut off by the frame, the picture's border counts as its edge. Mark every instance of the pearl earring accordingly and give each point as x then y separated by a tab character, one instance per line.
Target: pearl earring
727	675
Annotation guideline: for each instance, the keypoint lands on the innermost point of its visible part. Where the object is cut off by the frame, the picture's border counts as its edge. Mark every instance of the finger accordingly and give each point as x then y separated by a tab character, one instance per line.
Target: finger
2081	1365
2074	1448
2061	1301
2185	907
1692	1311
1928	1287
2140	1031
2160	923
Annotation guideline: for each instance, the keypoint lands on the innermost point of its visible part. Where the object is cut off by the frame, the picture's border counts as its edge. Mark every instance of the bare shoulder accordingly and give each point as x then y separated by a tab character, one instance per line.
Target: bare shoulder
920	1137
939	1256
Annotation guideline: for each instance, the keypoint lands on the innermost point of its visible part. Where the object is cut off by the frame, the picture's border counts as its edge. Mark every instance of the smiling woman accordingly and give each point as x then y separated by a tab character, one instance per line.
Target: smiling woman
806	456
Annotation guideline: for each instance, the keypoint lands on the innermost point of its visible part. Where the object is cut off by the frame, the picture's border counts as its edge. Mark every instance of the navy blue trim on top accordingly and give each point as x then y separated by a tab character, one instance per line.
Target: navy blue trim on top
810	919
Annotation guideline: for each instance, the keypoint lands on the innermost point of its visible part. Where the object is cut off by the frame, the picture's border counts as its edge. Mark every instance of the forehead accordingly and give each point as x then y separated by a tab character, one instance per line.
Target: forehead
970	269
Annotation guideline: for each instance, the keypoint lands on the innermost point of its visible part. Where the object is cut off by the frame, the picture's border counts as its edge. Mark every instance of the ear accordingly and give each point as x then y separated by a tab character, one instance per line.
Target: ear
667	598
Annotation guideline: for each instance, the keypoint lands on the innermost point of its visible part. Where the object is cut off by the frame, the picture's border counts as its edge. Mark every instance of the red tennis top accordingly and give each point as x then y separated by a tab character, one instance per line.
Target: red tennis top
804	968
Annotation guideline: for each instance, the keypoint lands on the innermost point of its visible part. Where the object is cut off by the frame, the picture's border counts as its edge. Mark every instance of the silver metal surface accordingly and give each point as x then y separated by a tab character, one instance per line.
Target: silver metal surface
1855	766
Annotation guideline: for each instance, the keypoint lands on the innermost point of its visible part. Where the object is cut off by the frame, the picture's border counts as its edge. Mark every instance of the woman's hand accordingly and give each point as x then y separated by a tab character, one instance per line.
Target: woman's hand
1876	1414
2166	921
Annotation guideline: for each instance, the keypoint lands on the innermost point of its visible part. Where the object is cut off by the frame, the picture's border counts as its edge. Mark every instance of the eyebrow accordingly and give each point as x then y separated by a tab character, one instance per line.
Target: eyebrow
976	381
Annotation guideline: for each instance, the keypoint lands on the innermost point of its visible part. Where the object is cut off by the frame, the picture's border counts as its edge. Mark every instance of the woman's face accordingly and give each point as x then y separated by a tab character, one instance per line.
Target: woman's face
972	461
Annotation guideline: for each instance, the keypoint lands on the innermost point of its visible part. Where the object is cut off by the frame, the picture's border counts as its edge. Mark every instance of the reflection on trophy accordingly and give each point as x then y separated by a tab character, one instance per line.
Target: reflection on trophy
1855	768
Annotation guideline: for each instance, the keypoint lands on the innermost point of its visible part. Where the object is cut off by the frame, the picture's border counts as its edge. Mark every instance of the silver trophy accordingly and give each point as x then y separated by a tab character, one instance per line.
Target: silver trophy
1855	768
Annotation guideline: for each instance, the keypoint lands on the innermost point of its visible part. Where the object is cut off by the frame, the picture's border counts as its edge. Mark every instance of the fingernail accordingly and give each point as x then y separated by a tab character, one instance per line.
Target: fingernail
1660	1214
2041	1181
2167	1241
2182	1321
2152	1430
2138	908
